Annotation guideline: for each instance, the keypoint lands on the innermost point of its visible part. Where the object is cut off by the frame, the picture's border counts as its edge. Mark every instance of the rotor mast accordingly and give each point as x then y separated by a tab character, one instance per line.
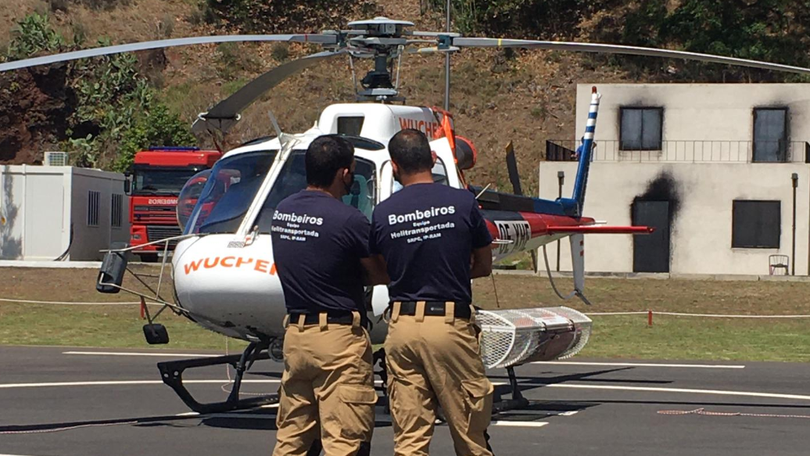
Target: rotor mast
383	40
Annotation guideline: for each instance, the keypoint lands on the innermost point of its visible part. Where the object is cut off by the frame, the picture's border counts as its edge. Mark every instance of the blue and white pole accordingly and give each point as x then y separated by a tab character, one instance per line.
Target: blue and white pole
584	151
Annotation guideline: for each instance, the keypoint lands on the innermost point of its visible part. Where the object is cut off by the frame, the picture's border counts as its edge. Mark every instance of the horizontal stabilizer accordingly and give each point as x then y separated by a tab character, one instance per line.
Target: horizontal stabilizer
600	229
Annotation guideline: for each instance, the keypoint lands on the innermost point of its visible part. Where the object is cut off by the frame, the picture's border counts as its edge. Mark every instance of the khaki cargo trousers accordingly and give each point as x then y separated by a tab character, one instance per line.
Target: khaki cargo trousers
327	390
435	361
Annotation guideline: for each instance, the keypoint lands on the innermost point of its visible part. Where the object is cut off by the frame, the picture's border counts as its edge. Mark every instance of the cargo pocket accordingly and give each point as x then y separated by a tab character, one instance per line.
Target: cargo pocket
357	411
281	416
479	403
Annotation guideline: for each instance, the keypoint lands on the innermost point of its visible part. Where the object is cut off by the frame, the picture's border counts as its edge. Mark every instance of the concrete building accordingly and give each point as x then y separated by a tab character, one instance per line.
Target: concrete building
711	166
60	212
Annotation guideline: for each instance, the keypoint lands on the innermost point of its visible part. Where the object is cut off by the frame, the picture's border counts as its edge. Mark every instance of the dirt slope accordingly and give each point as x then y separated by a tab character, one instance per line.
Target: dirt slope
496	97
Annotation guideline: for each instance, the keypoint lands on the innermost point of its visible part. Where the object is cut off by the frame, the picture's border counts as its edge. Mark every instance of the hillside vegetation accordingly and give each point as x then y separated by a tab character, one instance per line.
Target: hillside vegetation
103	110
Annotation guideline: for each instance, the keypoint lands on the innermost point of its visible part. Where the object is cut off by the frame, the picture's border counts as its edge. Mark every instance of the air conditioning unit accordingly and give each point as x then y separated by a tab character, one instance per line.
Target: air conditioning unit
56	159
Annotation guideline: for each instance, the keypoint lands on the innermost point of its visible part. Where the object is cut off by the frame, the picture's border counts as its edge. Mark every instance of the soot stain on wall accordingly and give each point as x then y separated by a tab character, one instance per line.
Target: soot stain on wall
663	188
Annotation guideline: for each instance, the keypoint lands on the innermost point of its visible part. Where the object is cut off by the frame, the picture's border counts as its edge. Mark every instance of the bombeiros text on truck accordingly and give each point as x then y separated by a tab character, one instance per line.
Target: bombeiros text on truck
155	180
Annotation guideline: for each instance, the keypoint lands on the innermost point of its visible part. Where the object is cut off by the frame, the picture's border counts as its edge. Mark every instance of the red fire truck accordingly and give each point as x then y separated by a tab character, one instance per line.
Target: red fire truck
158	175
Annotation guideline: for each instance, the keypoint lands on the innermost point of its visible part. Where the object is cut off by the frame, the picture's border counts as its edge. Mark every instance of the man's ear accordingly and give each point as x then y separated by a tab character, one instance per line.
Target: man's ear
434	156
340	175
394	168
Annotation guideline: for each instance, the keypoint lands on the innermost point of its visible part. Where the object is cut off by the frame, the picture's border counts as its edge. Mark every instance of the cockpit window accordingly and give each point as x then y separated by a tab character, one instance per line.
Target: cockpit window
439	173
229	191
363	195
293	178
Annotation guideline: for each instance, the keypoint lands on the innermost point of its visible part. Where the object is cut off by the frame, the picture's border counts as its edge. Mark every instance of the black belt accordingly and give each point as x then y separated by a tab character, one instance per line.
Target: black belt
335	318
435	308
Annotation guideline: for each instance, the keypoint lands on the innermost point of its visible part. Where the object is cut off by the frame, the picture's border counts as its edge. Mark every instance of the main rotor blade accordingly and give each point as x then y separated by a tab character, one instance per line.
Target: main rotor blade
225	114
147	45
623	49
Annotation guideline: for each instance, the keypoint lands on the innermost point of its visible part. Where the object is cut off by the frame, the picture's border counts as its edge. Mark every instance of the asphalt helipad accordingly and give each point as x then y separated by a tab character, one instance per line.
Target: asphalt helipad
63	401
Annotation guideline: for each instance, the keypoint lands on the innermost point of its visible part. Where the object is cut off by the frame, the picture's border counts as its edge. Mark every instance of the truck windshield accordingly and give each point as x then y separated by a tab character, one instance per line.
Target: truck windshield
230	189
148	180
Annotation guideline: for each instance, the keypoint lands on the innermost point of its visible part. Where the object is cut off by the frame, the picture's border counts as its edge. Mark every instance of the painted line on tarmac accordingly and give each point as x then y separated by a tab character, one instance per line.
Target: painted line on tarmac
156	354
686	366
256	416
122	383
681	390
529	412
249	416
535	424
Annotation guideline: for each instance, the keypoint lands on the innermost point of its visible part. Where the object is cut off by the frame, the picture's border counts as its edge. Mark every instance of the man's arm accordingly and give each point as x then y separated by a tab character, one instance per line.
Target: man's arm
375	271
481	262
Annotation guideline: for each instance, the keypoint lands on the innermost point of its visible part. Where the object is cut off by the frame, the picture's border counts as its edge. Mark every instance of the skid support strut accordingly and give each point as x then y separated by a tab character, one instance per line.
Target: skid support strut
172	374
517	401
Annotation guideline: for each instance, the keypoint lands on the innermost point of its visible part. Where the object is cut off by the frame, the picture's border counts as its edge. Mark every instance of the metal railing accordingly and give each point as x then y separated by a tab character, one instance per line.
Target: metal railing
688	151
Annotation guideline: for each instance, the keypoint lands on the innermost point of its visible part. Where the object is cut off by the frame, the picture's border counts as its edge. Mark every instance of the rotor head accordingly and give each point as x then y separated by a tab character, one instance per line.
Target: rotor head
380	26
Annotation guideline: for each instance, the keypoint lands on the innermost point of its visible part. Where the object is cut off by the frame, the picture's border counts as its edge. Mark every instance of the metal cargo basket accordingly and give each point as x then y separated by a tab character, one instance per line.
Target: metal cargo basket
517	336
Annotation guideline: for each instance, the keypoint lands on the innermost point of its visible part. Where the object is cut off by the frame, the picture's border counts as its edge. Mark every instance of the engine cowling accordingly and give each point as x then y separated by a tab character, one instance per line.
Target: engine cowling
466	153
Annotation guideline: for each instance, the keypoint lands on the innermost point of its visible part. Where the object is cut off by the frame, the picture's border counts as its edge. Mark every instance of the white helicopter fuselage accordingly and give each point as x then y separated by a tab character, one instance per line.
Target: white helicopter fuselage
226	278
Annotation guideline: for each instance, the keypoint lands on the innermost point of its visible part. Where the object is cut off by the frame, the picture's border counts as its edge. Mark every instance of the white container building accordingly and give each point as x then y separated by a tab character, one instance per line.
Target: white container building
52	213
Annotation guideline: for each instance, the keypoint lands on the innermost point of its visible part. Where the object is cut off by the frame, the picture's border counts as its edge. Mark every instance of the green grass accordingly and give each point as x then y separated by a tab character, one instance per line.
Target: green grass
103	326
670	337
673	338
685	338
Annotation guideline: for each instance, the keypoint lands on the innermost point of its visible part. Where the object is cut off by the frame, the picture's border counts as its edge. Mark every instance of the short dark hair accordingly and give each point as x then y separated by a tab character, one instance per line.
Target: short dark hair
410	150
324	157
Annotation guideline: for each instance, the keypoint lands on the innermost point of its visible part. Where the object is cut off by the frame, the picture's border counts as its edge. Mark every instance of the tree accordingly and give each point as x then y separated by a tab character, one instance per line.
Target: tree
770	30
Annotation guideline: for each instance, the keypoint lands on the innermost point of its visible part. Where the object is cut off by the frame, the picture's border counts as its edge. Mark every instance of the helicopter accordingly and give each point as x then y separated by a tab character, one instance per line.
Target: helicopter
222	266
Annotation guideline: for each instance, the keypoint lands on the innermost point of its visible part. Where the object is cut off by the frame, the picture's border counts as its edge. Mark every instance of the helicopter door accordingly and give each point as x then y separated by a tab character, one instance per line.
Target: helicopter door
439	173
293	179
386	180
379	294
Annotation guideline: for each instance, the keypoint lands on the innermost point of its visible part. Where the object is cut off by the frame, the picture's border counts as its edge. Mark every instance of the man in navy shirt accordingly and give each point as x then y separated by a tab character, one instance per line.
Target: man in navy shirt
434	240
320	248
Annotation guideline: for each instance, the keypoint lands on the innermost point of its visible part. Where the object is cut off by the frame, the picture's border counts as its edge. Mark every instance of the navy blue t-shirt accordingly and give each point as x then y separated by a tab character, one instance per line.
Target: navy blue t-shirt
317	245
426	233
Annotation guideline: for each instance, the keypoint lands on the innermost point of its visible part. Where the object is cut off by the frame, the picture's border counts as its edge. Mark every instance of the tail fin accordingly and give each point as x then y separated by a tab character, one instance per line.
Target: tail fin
573	206
578	263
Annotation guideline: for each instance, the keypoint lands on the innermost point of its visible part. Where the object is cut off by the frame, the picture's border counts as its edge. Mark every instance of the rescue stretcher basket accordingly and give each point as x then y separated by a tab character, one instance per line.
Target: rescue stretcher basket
518	336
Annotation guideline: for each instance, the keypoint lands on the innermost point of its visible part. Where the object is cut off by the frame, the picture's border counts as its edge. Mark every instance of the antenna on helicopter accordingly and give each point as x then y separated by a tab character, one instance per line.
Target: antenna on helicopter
283	138
447	66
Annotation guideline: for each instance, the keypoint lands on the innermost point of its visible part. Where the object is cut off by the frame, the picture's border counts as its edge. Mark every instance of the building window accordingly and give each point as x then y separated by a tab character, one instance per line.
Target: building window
641	128
93	199
756	224
770	135
116	210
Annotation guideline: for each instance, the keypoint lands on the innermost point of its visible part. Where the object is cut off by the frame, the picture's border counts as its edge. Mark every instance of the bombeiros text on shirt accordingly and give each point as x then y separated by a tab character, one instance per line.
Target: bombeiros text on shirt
418	215
294	218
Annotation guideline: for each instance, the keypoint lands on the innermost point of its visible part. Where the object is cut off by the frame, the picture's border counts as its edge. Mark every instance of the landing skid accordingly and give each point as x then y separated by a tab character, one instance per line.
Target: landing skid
172	374
516	402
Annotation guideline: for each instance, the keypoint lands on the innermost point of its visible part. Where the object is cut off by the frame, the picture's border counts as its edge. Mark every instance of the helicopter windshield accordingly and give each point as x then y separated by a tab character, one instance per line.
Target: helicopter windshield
229	191
293	179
